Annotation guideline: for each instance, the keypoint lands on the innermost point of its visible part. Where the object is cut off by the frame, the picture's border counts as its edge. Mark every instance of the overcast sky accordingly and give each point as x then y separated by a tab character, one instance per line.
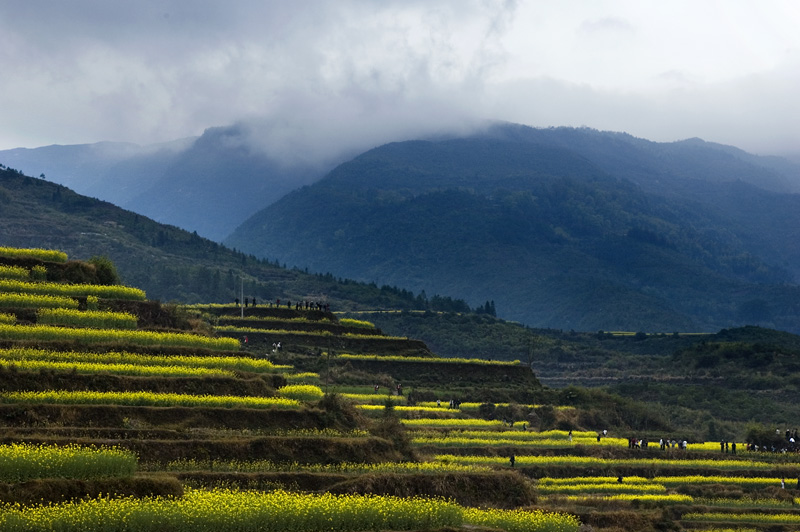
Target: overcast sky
344	74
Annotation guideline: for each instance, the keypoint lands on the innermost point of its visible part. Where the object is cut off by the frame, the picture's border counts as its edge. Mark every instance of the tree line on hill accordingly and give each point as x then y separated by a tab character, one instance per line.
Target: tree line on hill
171	264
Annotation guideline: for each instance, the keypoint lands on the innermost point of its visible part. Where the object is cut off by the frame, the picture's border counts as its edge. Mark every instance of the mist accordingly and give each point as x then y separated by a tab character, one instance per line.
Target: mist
309	82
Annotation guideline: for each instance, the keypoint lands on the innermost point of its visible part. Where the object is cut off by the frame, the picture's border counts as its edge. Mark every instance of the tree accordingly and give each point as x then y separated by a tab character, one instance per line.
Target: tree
106	271
487	308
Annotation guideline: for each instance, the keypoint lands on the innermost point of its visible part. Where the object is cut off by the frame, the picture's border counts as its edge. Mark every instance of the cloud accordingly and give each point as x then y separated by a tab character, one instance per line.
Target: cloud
315	79
755	112
152	71
607	25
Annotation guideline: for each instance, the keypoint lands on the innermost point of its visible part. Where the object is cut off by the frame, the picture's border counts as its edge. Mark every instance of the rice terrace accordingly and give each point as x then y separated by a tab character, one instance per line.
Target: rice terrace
121	413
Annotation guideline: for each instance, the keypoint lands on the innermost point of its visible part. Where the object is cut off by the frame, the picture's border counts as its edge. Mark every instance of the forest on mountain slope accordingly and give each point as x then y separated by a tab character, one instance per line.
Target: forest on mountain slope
170	264
552	237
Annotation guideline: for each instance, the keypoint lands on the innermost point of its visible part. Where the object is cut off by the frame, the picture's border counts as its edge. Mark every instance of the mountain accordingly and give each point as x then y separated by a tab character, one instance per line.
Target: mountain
217	183
209	184
563	228
112	171
171	264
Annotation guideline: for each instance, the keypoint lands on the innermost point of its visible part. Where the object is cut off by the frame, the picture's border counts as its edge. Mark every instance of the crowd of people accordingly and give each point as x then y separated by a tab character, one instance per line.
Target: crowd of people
663	443
298	305
782	442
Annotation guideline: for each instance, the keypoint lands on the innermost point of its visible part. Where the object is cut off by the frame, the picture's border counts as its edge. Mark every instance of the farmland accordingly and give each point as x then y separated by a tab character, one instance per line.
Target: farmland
267	418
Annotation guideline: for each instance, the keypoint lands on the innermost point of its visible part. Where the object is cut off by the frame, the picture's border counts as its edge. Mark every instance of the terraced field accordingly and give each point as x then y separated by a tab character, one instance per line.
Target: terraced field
276	418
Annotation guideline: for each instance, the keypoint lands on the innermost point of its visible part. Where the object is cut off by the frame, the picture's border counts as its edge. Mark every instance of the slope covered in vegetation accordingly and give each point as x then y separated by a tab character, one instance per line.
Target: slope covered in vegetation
567	229
256	424
168	263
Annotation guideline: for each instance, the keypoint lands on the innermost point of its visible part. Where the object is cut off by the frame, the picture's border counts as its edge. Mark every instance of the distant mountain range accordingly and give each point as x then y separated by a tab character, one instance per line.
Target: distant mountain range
208	184
559	227
564	228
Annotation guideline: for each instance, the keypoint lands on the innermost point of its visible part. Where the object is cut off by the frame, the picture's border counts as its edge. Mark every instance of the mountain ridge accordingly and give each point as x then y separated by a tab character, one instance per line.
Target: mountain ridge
208	184
526	223
172	264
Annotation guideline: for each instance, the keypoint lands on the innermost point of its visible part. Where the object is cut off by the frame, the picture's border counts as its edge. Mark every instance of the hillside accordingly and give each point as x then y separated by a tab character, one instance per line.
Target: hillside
209	184
119	413
169	263
555	238
707	380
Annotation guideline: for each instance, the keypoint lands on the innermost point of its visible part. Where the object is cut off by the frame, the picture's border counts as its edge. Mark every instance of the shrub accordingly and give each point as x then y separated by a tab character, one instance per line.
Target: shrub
38	273
106	271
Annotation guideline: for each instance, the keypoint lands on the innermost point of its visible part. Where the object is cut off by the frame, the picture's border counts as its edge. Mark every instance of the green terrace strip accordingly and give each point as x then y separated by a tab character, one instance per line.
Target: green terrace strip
218	363
398	358
14	272
268	319
306	377
746	502
452	423
559	481
96	319
634	483
257	466
709	446
319	433
674	481
147	399
611	487
15	300
760	518
264	304
349	322
474	407
419	410
73	290
301	392
227	434
222	510
527	435
92	336
20	462
590	461
374	398
737	529
115	369
523	438
522	520
455	441
33	253
231	329
660	498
